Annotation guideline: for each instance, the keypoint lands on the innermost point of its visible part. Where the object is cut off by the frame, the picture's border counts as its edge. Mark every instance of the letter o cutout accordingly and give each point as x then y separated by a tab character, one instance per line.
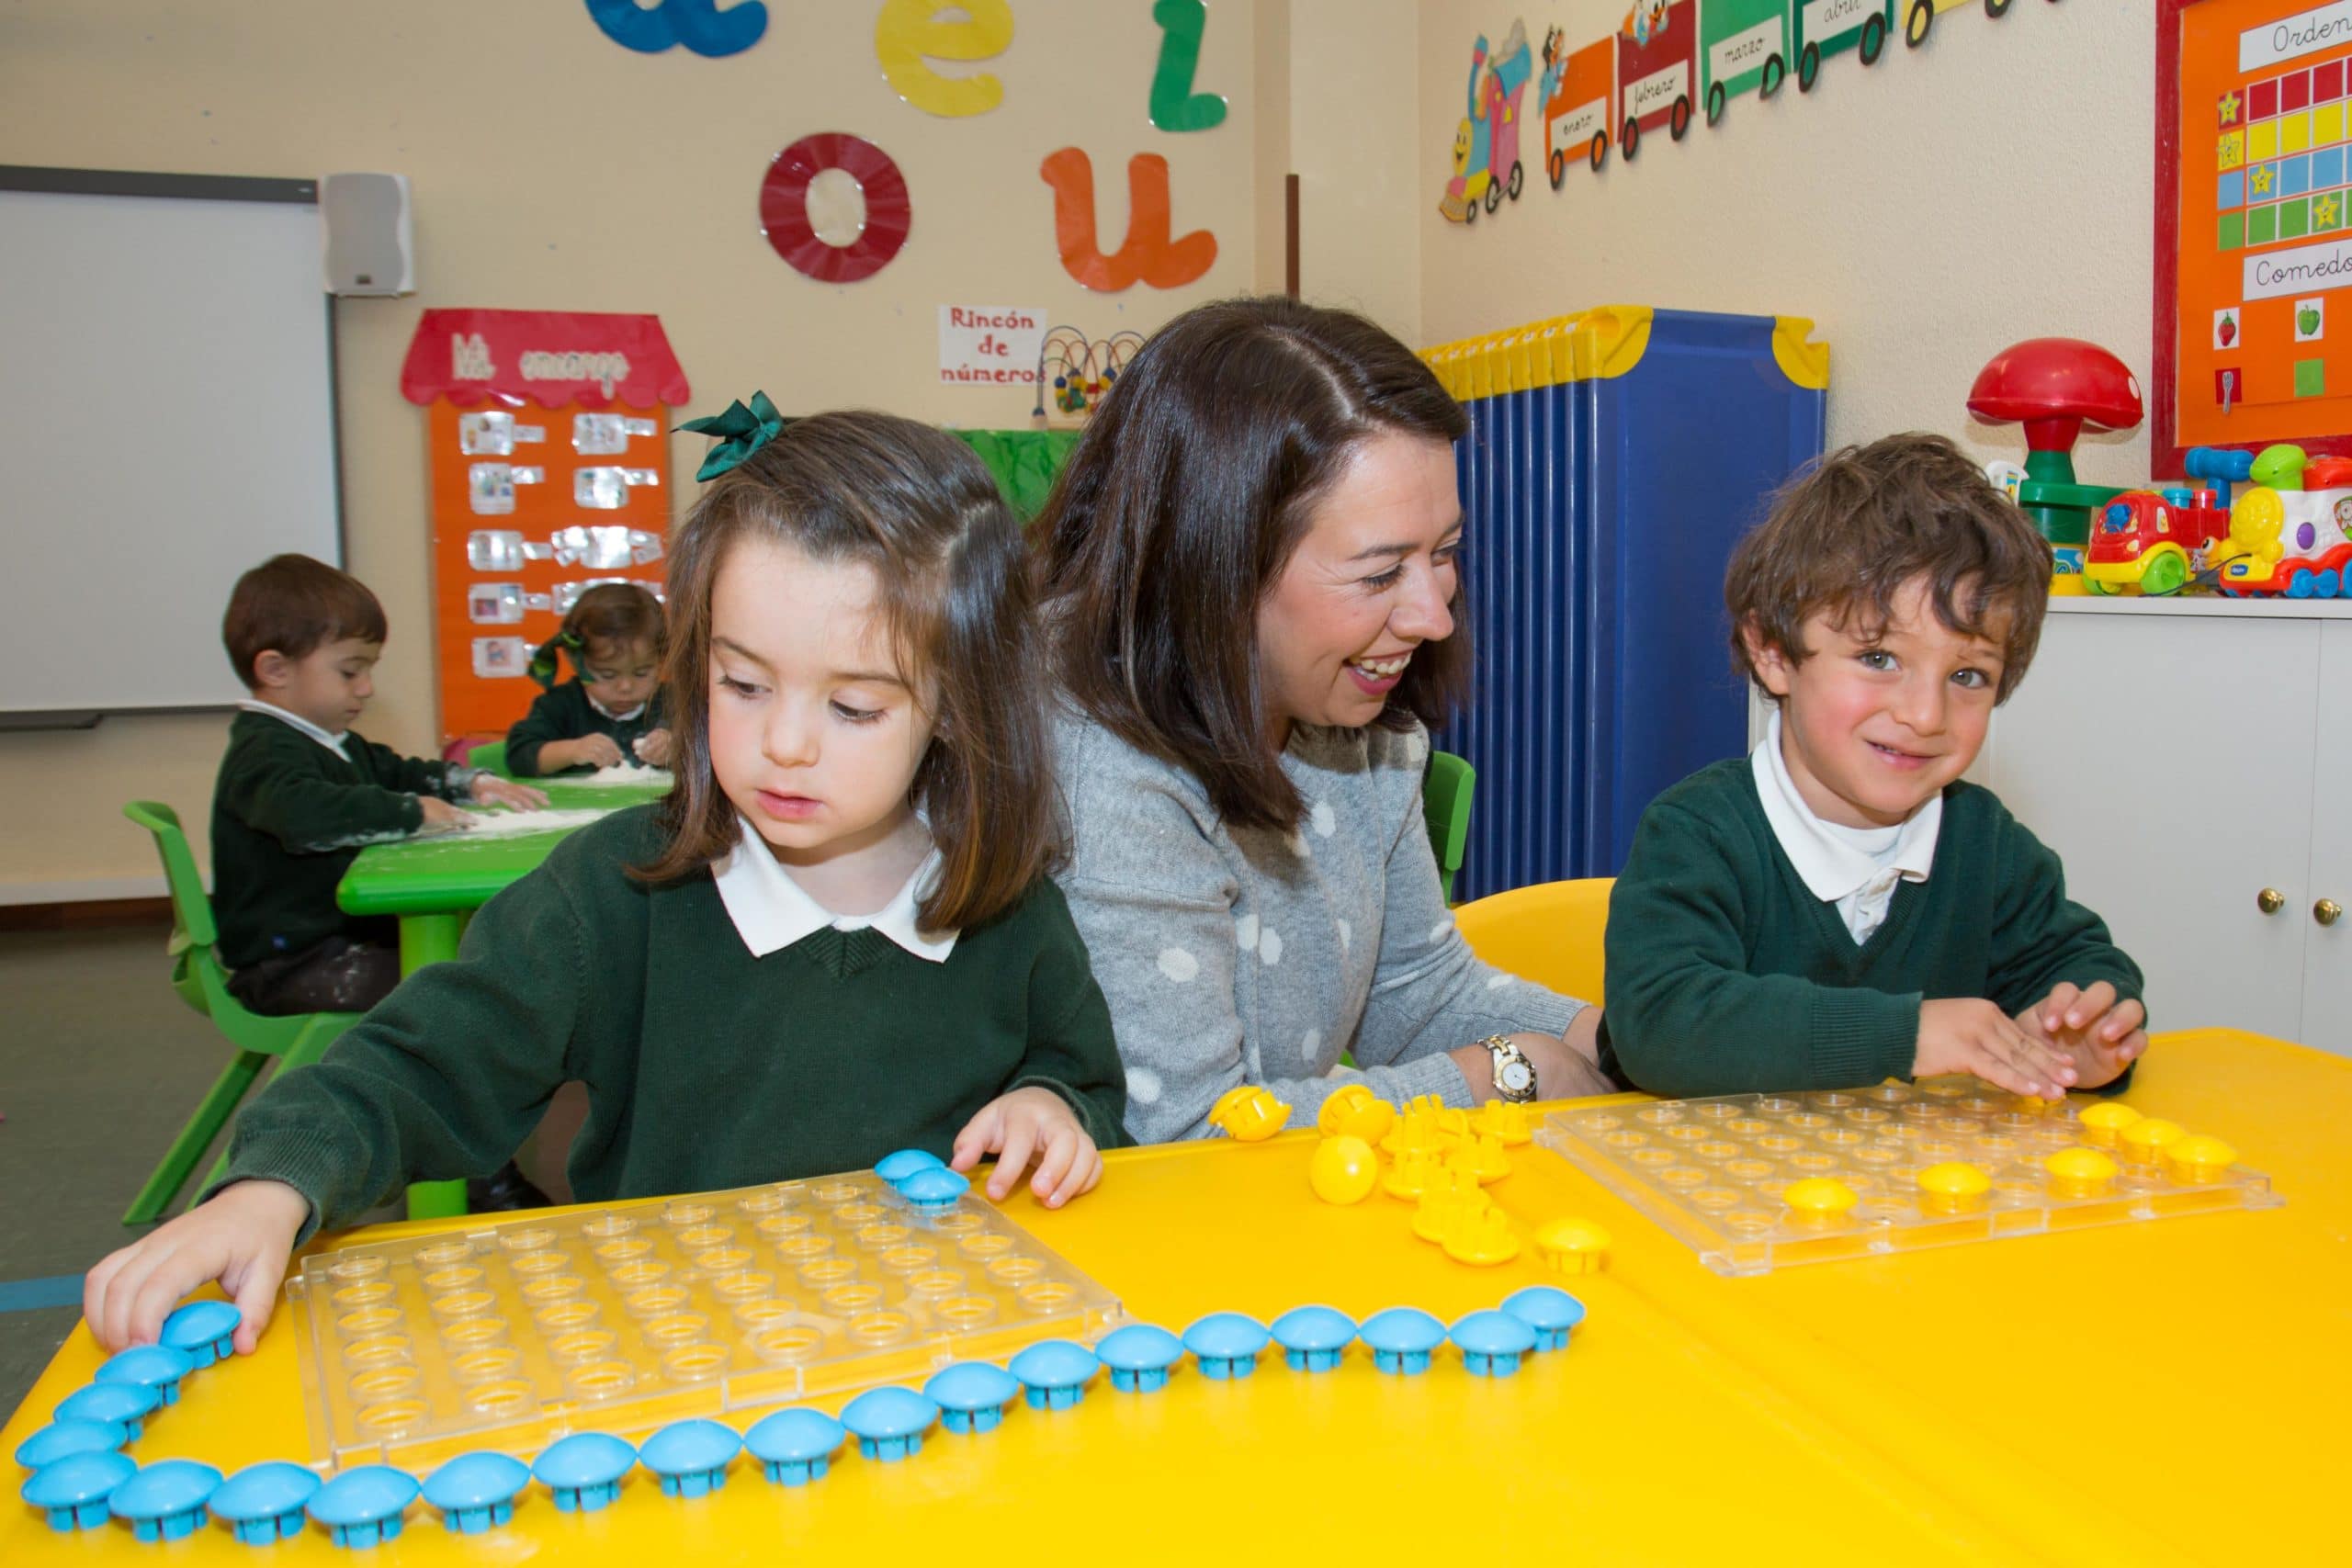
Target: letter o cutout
784	207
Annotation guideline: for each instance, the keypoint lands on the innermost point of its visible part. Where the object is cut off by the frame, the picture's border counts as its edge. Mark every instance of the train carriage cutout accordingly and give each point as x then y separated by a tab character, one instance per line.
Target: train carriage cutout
1576	94
1920	15
1825	27
1486	145
1741	44
1657	54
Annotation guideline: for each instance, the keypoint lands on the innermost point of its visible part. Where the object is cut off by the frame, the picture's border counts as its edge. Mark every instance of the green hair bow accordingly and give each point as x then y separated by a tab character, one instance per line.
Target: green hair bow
743	430
547	659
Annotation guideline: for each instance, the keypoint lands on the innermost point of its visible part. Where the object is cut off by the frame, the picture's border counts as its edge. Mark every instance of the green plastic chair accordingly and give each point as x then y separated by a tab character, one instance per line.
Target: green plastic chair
1446	790
491	754
202	982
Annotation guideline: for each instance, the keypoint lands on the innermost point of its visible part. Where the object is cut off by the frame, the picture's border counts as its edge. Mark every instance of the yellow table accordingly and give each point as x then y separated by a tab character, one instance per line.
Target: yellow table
2150	1393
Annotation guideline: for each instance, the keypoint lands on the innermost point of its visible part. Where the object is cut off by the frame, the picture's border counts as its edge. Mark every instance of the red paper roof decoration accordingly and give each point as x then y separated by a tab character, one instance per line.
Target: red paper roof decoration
551	358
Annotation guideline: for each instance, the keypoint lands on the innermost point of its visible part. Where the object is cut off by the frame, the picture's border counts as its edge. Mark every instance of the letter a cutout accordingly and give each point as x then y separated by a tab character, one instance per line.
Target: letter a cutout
1146	254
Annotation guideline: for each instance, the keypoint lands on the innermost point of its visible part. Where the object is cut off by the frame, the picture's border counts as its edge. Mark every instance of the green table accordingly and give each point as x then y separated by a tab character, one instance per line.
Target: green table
433	885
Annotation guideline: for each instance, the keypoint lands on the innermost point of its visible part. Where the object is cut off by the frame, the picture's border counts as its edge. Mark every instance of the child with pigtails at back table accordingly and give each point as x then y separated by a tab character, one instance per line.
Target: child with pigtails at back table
835	938
609	714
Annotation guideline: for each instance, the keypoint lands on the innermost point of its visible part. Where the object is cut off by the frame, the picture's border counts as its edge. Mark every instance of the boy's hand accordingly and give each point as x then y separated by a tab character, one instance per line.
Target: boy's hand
595	751
492	790
1030	1121
2101	1035
440	814
242	1238
1968	1035
653	748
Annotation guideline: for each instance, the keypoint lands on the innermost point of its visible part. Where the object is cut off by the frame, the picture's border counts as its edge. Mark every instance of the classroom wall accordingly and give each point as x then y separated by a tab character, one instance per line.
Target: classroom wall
1993	185
554	169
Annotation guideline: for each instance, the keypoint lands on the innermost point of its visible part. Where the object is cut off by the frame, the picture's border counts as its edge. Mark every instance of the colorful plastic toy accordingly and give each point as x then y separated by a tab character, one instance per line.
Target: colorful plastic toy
1054	1372
365	1507
1312	1337
1226	1344
2100	1122
1492	1342
1953	1187
1248	1114
2080	1173
1486	145
1139	1355
1819	1200
971	1395
691	1456
158	1367
64	1440
1573	1245
1481	1237
2145	542
890	1422
75	1490
1552	1314
2291	531
117	1403
896	1168
2199	1157
1574	92
1343	1170
1503	1121
476	1491
1657	60
795	1446
264	1503
2055	386
582	1473
1402	1339
933	1191
206	1330
2143	1142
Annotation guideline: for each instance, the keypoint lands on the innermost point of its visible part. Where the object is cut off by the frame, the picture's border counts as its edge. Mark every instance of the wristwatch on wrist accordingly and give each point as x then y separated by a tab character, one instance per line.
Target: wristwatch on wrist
1514	1074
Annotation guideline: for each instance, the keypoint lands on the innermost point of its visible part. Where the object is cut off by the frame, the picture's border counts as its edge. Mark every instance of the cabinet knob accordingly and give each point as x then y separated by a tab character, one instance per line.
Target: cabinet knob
2270	900
2327	911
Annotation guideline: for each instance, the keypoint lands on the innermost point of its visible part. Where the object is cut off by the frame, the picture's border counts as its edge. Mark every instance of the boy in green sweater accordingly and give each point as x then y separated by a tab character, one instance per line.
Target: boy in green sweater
299	793
1839	907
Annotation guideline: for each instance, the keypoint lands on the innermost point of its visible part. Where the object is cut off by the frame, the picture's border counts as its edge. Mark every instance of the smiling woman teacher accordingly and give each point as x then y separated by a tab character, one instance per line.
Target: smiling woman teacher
1251	596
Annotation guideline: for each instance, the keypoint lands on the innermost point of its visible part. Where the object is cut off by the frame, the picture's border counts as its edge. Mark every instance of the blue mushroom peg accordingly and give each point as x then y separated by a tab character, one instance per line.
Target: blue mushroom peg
158	1367
1139	1355
1553	1314
691	1456
365	1506
207	1330
64	1440
932	1191
1054	1373
1402	1339
971	1395
896	1168
476	1491
795	1446
1226	1344
74	1491
123	1404
264	1503
1312	1337
165	1500
1492	1342
890	1422
582	1473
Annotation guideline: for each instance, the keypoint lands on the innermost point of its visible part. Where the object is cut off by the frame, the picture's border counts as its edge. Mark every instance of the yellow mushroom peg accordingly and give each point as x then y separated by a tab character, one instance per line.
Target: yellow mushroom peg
2143	1142
1346	1098
1343	1170
1573	1245
1368	1119
1954	1187
2199	1158
1482	1157
1481	1237
1442	1205
2080	1173
2103	1123
1505	1120
1416	1171
1248	1113
1819	1202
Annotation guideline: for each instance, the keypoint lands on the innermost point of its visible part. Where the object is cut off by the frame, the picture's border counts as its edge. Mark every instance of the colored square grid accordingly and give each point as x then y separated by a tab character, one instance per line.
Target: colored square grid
2328	81
2311	377
2327	167
2295	175
2327	124
2261	140
2232	190
2261	225
2295	132
2294	91
2232	233
2262	100
2294	219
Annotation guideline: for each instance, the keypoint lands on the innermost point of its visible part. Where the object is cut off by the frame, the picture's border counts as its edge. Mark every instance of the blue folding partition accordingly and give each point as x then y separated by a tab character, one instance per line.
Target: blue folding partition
1613	459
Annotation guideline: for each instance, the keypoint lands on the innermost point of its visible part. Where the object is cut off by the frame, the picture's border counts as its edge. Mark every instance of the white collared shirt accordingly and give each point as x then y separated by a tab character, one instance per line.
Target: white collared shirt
1857	869
615	717
771	912
332	743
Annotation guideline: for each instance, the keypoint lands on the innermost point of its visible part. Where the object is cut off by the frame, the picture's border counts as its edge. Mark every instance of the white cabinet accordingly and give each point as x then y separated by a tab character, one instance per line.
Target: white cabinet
2183	758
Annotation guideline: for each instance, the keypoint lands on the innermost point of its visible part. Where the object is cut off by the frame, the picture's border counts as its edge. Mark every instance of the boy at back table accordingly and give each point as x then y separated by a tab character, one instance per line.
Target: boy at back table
1839	907
299	793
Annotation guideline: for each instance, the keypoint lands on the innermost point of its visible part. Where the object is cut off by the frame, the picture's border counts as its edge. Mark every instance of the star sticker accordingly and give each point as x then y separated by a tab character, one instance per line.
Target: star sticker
2261	180
2324	210
2229	108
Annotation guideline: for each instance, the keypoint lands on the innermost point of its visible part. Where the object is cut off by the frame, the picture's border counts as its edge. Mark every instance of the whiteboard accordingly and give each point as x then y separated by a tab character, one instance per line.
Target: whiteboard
166	421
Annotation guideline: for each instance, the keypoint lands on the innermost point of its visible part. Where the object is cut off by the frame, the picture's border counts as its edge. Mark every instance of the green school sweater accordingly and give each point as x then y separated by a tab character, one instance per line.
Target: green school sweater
1725	975
706	1067
564	713
288	816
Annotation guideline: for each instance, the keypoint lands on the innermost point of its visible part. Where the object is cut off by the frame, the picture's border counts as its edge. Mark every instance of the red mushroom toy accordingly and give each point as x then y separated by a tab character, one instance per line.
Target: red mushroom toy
2055	386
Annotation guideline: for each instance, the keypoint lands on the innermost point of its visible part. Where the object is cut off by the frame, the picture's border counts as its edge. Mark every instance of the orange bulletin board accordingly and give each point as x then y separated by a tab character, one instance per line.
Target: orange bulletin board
2254	225
547	434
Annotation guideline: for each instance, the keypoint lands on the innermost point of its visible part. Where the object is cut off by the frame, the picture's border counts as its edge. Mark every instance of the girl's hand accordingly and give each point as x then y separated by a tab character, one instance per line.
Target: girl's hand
653	748
492	790
242	1238
1031	1121
595	751
2102	1036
